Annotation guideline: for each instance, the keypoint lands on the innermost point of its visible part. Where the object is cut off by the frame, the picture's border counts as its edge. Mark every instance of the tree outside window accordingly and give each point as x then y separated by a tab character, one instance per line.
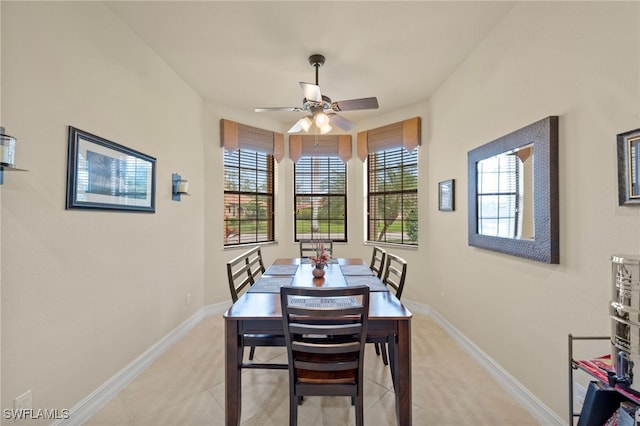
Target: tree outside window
393	196
320	199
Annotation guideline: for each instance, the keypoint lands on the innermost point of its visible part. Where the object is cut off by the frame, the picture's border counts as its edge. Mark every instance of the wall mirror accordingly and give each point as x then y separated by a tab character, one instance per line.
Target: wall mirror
513	193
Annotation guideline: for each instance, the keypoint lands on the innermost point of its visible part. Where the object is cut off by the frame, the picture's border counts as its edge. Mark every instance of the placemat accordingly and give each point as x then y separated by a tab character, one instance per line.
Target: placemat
306	260
269	284
281	270
325	302
373	282
356	270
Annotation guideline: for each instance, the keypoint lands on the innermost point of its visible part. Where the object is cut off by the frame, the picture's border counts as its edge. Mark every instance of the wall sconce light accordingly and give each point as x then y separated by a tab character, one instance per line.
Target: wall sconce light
179	187
7	153
7	149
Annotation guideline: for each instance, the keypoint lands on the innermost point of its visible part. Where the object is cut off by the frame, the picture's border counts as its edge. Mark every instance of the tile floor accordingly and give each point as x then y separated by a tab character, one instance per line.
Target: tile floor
186	387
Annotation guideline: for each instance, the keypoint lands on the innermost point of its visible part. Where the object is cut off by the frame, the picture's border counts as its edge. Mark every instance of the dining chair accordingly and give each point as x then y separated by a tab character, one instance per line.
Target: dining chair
395	272
377	261
242	272
325	331
308	247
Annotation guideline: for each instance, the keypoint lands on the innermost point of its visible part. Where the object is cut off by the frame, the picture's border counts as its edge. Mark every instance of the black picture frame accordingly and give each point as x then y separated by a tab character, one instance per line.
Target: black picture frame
446	195
628	147
104	175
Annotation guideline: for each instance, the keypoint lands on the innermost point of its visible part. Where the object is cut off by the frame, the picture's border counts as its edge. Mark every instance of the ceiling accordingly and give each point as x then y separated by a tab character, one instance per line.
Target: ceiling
244	54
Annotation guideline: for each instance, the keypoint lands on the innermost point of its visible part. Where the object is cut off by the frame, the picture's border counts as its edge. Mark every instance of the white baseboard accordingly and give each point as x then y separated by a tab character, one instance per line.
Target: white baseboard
529	402
86	408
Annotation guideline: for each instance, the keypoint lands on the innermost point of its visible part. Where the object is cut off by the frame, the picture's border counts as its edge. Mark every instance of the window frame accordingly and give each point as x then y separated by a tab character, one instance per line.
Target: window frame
264	163
506	193
372	195
327	194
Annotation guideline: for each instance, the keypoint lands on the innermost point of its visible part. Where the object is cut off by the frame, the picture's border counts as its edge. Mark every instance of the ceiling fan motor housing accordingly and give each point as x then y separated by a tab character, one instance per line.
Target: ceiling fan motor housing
314	106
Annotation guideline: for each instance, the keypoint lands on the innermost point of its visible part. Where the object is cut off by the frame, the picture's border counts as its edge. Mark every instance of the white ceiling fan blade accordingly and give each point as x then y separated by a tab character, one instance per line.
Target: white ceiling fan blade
286	109
340	121
311	91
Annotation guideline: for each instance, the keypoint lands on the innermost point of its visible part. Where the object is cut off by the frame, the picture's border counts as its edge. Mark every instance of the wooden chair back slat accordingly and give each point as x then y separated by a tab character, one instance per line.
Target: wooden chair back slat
378	259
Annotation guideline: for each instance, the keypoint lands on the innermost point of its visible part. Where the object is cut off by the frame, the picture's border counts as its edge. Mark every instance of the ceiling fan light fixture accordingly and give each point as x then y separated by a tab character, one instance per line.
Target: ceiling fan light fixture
319	107
305	123
326	128
321	119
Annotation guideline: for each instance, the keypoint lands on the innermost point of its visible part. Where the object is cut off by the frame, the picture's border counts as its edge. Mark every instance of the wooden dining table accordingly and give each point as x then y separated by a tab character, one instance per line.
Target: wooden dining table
258	311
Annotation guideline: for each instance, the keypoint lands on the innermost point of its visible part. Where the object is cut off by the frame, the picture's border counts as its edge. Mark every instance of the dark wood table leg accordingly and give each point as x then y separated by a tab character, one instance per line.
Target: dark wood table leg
392	347
232	374
403	374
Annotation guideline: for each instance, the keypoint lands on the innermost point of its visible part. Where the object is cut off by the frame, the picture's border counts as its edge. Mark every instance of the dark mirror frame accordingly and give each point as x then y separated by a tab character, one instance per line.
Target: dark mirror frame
545	247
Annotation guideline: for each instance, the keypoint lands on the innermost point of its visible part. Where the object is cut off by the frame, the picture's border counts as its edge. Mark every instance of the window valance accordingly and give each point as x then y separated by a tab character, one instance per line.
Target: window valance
234	136
401	134
320	146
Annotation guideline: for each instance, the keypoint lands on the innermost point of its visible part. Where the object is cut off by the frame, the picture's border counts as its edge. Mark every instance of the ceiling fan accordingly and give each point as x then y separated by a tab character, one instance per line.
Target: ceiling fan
321	111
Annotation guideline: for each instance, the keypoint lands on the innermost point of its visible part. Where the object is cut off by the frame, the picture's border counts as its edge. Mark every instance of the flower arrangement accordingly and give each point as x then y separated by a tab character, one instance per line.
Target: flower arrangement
321	257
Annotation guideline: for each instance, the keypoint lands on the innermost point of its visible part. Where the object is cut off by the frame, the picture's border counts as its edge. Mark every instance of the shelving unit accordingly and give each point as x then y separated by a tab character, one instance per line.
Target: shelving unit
600	368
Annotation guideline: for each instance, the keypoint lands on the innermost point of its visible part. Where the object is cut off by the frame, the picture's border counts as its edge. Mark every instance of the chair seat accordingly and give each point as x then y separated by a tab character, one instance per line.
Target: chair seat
265	336
264	340
327	377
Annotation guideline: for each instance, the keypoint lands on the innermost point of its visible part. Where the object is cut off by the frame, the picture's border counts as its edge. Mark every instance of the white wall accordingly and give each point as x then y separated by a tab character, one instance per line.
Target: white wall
86	292
577	60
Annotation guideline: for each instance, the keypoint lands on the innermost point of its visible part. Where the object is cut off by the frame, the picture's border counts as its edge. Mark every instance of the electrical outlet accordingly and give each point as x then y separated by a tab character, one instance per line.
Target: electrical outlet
579	393
188	298
24	401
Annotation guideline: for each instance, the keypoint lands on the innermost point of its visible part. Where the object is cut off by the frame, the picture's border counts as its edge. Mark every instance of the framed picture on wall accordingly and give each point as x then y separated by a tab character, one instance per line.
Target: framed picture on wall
105	175
446	195
628	145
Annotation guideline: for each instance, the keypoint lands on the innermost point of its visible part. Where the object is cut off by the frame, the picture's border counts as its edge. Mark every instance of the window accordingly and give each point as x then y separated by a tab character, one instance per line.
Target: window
320	198
500	196
393	196
248	197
